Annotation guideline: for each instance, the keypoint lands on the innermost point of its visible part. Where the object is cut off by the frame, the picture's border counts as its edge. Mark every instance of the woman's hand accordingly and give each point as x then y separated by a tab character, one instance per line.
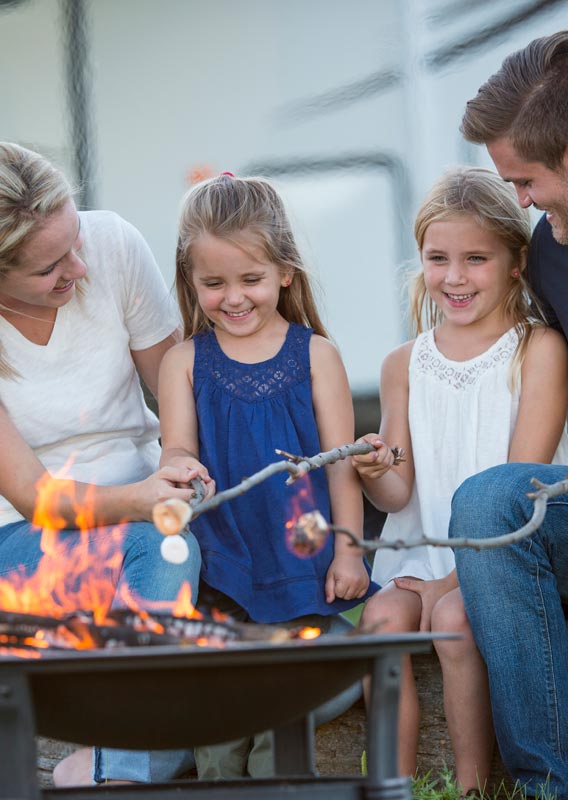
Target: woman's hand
375	464
346	578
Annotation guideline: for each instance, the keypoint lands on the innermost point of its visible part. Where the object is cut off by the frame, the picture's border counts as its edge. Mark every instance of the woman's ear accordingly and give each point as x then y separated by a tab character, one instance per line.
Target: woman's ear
286	279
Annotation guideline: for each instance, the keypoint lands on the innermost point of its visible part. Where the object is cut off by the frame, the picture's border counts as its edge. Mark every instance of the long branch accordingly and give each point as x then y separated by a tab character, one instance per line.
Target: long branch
298	466
540	498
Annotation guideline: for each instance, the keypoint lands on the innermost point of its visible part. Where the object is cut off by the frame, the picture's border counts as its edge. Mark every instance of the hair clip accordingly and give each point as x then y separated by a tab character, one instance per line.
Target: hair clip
230	174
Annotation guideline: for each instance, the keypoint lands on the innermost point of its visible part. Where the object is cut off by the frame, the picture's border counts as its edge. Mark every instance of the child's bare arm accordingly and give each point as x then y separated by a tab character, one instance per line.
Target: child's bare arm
178	418
544	398
346	577
387	486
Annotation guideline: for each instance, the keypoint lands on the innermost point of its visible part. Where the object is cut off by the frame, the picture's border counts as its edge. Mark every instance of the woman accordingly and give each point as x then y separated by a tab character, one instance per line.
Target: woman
84	312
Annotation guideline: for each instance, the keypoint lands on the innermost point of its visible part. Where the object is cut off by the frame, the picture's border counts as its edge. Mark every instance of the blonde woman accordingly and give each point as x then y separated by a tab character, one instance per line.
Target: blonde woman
83	313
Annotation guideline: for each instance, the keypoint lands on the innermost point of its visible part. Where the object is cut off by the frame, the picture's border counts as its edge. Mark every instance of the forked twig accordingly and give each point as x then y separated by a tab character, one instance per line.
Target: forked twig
298	466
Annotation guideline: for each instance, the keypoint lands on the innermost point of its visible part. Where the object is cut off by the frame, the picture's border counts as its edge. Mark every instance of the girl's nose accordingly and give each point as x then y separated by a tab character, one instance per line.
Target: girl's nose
454	274
234	295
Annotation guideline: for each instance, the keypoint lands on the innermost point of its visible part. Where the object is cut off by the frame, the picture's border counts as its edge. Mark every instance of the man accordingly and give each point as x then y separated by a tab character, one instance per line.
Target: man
514	595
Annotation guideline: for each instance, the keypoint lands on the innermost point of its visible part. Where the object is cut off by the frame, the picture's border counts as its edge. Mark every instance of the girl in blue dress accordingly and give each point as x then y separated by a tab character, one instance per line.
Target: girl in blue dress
257	372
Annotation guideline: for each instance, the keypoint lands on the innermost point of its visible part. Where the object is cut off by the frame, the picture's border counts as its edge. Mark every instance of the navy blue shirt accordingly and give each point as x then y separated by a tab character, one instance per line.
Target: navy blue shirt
547	273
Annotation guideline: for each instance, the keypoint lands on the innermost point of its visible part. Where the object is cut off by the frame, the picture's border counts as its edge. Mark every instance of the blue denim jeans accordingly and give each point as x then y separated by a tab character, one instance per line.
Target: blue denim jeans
149	577
514	598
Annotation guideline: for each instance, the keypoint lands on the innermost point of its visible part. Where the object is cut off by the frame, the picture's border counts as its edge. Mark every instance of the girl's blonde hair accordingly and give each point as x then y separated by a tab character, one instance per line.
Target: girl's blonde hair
31	189
492	203
225	206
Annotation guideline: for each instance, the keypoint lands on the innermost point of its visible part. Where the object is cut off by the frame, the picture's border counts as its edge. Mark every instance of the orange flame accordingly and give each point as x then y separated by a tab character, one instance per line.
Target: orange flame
76	573
309	633
301	500
306	530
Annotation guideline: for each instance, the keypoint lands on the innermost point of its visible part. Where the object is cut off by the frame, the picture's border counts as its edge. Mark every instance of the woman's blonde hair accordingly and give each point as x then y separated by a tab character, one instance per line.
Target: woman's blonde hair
492	203
225	206
31	189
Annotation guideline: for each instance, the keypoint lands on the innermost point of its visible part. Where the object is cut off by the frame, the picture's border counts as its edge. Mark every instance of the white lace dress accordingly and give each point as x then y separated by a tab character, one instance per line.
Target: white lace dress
462	415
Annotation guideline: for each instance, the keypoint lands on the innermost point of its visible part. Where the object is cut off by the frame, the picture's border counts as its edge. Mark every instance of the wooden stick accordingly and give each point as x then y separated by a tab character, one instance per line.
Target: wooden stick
298	466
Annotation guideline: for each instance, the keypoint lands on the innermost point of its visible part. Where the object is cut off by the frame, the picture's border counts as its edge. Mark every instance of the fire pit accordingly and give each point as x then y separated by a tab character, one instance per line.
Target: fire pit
174	696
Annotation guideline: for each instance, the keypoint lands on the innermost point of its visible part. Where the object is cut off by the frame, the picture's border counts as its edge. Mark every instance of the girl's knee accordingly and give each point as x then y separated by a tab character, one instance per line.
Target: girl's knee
392	610
448	615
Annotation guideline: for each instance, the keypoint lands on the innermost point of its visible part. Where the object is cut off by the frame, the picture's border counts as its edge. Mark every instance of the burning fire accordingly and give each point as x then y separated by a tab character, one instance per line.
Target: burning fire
306	530
66	603
78	572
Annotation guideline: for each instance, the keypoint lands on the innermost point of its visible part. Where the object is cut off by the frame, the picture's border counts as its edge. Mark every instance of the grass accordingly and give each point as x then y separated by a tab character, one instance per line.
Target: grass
444	788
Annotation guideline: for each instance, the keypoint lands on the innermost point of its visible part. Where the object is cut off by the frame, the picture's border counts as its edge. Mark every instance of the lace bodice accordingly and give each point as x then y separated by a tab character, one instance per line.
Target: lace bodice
253	382
460	374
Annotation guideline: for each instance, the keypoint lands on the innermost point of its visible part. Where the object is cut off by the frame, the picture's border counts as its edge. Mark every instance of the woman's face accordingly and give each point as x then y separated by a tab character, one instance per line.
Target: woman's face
48	265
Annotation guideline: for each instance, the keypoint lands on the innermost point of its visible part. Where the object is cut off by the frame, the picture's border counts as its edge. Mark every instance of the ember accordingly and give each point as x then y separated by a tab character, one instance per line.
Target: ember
128	628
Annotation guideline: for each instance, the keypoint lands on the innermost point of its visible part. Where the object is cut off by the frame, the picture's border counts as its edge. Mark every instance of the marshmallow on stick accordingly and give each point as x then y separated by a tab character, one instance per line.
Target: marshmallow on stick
171	517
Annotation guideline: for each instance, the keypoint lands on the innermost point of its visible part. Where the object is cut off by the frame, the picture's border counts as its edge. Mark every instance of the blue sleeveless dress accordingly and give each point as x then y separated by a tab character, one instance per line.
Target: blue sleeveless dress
245	411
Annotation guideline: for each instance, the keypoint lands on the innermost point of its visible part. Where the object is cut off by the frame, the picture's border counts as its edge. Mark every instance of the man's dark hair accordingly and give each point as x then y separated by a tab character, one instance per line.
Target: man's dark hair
526	101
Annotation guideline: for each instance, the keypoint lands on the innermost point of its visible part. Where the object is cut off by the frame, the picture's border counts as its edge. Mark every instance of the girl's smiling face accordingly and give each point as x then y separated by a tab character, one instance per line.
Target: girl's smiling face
237	287
48	265
468	270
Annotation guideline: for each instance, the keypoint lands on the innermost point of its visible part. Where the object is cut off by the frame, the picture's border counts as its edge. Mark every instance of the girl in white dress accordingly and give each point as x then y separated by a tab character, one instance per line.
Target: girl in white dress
486	383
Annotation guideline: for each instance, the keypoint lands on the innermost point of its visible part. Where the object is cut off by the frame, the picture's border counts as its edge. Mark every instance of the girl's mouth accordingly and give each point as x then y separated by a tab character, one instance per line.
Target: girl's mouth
237	314
459	300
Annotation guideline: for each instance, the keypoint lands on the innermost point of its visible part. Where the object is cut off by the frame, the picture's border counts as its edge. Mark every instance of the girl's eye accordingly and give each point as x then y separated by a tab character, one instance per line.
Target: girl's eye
48	271
251	281
477	259
212	285
436	259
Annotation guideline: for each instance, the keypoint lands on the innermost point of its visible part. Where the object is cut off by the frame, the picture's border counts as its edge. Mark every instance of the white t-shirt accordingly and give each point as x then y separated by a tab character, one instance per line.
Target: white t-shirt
77	401
462	415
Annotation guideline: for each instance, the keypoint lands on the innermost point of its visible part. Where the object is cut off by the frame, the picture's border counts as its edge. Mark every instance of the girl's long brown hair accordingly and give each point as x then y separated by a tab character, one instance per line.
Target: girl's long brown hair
224	207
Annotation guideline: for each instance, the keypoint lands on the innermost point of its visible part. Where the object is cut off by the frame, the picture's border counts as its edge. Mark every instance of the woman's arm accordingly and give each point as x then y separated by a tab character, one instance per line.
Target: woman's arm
21	473
544	398
389	488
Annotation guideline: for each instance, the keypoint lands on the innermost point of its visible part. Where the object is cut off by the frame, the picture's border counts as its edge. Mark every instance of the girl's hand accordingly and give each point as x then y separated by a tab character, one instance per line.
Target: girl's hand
196	469
346	578
373	465
430	592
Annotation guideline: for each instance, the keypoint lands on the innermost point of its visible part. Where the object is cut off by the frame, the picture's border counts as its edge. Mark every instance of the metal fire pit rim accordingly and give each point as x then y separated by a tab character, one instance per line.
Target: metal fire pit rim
353	646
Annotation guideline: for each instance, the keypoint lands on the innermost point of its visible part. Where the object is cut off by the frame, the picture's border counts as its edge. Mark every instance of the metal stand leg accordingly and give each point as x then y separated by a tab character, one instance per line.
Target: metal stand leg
383	782
294	748
18	757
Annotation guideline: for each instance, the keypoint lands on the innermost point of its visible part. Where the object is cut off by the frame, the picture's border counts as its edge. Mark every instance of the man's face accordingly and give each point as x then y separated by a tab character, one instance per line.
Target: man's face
536	185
